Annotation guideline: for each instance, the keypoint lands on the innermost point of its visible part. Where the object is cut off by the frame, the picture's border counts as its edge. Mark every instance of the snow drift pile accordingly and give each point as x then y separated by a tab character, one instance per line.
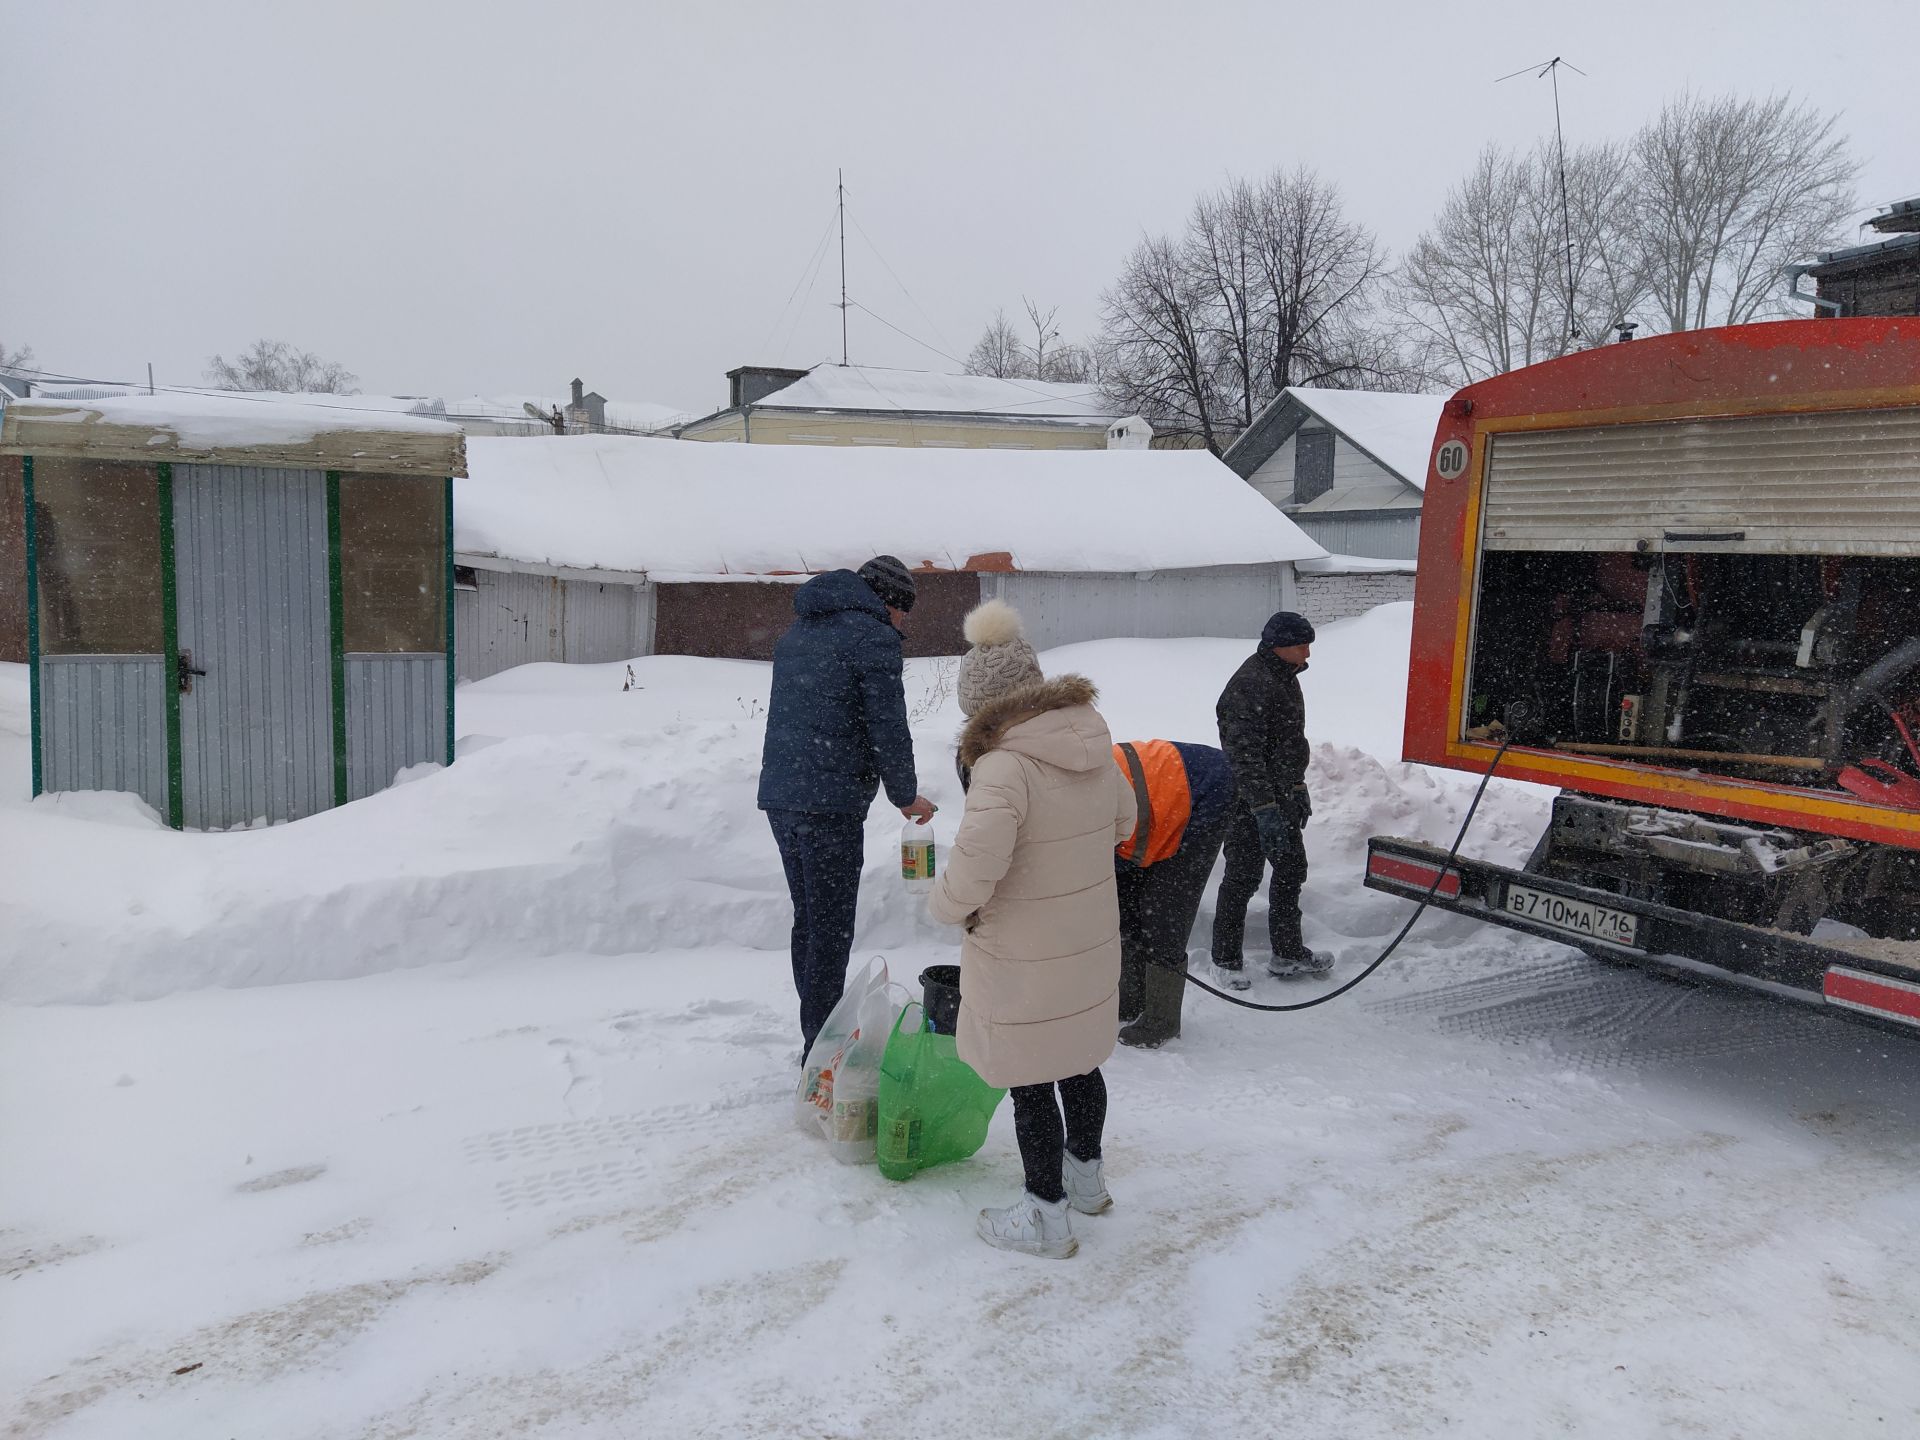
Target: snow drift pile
583	818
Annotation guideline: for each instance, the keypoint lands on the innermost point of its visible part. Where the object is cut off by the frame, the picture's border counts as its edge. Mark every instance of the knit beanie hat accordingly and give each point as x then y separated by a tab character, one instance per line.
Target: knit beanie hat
1000	660
888	579
1286	628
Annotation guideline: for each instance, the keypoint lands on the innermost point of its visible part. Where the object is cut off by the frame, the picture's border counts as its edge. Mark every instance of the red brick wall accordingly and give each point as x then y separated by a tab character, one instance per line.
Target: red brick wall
740	621
13	561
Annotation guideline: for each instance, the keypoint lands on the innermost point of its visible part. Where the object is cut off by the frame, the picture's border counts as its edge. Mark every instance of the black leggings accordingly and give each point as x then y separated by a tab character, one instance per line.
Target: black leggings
1043	1140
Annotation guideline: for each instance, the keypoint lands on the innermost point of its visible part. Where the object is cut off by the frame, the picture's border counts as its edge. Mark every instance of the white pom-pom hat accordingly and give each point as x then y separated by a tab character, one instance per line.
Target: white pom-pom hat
1000	660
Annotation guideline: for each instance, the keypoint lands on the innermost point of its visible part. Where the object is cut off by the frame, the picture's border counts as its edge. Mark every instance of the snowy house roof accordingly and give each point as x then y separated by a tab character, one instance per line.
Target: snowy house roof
333	432
925	392
680	508
1395	429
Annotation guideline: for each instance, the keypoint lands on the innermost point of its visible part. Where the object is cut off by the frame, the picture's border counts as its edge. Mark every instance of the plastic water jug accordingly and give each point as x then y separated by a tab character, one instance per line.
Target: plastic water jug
917	851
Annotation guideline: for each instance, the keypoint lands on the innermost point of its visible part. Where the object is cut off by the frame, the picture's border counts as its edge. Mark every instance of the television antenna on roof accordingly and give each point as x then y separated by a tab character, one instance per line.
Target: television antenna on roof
1551	69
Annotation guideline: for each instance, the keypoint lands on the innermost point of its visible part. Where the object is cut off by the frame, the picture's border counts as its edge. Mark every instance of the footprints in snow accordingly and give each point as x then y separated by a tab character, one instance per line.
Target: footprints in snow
279	1179
755	1027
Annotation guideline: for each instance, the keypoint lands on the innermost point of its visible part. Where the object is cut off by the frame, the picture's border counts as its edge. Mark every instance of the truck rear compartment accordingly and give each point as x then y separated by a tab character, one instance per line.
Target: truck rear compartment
1799	670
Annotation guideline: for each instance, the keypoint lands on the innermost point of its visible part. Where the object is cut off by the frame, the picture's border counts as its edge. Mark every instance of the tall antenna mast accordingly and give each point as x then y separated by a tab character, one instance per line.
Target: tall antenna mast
1552	69
842	183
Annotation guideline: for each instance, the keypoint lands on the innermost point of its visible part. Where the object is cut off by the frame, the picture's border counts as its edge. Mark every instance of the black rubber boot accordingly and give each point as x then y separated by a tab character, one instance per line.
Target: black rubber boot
1159	1022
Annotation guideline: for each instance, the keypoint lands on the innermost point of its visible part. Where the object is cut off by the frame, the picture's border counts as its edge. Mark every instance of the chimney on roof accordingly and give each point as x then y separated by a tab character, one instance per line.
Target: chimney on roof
586	412
750	384
1132	433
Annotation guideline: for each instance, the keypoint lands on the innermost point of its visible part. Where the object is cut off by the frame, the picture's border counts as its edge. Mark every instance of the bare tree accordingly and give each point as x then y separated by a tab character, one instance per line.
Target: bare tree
1001	351
1321	273
1727	192
1072	364
998	352
14	359
1045	333
276	365
1156	353
1485	288
1270	285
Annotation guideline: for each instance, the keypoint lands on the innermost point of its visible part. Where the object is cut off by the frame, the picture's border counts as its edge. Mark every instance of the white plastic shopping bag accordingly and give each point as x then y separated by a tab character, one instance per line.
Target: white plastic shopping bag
839	1094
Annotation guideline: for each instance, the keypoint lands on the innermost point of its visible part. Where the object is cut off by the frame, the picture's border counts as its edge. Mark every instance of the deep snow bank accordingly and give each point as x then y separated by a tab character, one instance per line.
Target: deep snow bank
584	817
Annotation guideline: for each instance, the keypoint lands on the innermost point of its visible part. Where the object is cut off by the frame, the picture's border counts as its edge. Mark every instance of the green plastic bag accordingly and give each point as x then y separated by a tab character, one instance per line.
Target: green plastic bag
933	1108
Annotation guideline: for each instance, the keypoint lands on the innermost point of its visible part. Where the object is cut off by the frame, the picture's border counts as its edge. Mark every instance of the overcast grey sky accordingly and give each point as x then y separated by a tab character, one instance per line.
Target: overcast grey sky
459	197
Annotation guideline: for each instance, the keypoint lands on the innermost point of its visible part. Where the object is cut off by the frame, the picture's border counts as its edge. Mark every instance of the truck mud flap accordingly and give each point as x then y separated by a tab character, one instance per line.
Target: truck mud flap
1615	927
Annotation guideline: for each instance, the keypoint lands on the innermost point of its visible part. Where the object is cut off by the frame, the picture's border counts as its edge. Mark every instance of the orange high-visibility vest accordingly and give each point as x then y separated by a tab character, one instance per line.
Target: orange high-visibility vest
1161	792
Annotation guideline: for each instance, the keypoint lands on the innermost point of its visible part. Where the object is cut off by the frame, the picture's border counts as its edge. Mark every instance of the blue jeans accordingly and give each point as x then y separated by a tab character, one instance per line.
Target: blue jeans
822	856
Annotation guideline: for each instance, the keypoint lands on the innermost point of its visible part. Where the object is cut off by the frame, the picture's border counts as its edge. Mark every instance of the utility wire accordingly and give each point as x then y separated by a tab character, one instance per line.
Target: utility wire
911	297
819	263
809	268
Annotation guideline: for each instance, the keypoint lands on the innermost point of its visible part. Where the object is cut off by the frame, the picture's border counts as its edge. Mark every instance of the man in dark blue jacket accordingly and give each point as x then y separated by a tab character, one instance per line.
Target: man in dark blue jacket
836	732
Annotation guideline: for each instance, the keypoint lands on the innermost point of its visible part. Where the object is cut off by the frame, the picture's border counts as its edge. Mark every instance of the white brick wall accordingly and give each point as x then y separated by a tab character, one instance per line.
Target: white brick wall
1335	597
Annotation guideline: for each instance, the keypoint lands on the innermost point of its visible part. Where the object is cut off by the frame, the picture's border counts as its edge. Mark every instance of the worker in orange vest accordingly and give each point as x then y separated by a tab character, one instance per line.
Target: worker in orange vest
1184	795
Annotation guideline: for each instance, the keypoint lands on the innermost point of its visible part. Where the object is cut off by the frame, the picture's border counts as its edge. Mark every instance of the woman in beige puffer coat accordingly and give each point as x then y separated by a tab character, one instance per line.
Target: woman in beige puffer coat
1030	875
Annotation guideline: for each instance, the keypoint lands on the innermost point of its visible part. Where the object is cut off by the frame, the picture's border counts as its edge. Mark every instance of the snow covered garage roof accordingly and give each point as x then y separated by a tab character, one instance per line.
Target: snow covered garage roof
1396	429
235	430
686	508
869	387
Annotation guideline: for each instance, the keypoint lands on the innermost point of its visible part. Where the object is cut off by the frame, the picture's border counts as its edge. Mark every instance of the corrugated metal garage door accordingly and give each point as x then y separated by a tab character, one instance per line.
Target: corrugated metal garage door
1842	483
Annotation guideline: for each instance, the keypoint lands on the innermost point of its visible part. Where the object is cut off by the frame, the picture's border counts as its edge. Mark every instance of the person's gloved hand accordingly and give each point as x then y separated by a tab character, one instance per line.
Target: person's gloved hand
1302	805
1278	833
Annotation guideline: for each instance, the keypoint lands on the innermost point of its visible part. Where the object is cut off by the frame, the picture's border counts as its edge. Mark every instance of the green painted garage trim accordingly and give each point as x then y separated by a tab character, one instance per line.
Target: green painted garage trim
33	623
170	647
447	513
337	639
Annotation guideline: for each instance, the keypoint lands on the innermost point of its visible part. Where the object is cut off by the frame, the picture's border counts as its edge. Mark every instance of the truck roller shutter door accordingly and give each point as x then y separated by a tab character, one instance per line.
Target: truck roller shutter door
1842	482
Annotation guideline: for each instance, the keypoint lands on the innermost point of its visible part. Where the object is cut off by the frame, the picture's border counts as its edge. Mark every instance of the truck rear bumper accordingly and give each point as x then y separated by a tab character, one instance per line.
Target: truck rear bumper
1858	986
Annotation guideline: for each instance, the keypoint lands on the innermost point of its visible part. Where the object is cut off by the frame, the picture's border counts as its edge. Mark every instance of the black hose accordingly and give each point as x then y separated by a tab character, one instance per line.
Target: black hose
1393	944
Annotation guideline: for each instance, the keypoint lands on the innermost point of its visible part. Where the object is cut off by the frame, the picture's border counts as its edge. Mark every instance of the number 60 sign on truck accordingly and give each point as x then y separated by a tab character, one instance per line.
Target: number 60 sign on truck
1680	579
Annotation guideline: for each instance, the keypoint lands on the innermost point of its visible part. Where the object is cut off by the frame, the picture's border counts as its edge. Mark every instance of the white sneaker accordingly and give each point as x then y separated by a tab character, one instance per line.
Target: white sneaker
1086	1184
1234	979
1031	1226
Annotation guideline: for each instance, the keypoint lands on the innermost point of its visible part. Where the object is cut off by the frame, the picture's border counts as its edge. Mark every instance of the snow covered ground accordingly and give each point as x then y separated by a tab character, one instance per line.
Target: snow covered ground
463	1112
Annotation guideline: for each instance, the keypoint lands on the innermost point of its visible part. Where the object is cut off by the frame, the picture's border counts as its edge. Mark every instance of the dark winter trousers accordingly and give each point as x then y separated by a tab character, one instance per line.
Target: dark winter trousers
1246	861
822	855
1158	905
1044	1139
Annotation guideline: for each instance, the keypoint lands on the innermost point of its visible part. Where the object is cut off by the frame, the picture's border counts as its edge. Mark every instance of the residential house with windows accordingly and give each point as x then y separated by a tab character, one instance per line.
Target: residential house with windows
1349	467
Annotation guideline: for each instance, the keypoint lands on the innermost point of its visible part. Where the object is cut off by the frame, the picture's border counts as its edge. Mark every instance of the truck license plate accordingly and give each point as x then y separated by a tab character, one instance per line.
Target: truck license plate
1575	917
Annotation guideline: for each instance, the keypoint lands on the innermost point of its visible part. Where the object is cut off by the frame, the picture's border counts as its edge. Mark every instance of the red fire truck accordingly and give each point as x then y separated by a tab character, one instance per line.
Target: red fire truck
1679	579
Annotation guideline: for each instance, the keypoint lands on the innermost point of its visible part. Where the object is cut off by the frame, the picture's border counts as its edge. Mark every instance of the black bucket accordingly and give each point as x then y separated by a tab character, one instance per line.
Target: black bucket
940	994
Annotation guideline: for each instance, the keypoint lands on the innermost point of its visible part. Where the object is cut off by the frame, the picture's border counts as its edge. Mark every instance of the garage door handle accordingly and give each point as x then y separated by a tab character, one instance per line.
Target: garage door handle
185	672
1705	537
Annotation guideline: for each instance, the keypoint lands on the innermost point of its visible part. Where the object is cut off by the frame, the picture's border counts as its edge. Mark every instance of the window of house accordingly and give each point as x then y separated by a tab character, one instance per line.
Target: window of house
1312	464
96	540
393	555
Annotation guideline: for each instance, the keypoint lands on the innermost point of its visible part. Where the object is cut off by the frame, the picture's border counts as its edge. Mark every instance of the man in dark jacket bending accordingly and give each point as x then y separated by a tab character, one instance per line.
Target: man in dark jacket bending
1263	730
836	731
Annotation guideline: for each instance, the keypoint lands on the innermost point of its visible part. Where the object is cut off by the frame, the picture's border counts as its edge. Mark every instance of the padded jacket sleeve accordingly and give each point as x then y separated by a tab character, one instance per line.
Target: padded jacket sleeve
983	849
883	698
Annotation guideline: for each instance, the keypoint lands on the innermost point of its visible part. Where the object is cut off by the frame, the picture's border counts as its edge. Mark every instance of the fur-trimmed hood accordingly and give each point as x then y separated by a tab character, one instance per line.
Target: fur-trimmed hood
1051	720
